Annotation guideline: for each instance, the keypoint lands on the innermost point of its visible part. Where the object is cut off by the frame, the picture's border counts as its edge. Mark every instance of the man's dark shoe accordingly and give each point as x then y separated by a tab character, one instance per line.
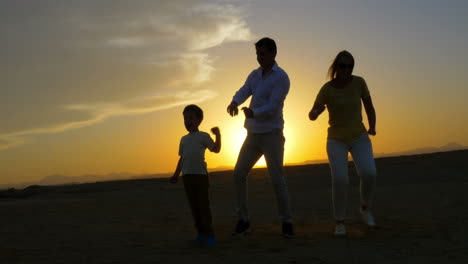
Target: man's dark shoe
242	228
288	231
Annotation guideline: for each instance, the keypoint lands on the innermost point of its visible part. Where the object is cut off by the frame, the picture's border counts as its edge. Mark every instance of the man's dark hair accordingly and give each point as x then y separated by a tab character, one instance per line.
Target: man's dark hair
194	109
268	43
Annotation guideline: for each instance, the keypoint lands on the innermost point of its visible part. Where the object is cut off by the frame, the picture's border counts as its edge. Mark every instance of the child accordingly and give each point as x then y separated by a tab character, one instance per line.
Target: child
195	175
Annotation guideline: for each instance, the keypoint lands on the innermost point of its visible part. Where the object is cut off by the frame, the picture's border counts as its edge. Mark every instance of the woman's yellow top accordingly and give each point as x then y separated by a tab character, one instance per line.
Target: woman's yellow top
344	108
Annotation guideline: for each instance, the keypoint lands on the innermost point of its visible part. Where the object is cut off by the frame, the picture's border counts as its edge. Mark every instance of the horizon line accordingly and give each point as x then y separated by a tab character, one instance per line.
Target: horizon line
136	176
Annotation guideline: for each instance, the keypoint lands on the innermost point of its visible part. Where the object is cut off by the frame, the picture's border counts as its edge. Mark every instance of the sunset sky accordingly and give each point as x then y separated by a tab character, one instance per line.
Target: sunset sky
97	87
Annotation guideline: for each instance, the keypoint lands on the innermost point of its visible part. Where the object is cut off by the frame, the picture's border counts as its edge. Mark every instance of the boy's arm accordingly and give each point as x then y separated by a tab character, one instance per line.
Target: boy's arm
175	177
217	144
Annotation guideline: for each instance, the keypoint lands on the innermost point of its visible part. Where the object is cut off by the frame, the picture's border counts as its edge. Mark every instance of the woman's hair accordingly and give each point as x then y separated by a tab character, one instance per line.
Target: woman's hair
334	66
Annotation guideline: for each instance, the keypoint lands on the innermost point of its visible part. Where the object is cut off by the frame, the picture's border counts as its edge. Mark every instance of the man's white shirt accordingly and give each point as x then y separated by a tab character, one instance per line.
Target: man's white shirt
268	95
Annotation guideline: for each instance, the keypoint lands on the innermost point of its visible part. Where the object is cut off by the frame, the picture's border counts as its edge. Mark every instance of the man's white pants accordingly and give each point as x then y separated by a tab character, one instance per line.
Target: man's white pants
255	145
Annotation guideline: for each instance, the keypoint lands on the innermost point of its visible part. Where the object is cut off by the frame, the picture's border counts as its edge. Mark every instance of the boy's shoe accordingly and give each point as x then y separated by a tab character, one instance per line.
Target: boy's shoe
242	228
210	241
368	218
340	230
287	229
199	239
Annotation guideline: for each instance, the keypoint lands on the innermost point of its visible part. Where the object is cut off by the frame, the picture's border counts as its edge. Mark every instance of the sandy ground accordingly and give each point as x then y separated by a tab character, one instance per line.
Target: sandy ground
421	209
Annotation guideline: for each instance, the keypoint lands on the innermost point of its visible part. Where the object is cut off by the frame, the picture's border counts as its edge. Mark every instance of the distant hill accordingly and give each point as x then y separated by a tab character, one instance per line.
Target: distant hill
62	179
221	168
448	147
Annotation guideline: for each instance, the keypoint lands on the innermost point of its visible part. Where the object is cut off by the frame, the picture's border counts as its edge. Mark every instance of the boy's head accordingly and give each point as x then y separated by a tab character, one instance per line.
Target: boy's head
193	116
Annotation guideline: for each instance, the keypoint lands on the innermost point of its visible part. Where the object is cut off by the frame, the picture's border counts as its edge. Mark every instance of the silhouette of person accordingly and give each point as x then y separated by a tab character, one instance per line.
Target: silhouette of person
342	96
267	86
195	175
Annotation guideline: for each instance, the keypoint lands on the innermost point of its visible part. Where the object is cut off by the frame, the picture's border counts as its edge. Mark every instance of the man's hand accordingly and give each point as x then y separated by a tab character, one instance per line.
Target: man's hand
247	112
232	109
215	130
173	179
371	131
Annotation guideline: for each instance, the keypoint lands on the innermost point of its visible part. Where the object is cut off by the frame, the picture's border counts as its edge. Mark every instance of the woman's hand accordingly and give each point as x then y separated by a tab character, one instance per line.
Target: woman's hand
316	111
174	179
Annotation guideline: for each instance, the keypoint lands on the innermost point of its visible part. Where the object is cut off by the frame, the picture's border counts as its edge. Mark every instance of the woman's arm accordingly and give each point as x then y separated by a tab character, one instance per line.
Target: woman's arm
316	111
370	112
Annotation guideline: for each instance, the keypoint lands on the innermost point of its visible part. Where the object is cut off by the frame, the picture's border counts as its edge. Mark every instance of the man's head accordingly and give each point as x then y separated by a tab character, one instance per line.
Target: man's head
193	116
266	52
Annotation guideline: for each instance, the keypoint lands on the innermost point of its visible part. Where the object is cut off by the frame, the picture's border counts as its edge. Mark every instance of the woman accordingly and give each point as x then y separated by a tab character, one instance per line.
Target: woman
342	96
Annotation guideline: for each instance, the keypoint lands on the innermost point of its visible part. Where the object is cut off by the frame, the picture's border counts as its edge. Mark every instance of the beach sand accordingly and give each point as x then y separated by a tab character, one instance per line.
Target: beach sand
421	209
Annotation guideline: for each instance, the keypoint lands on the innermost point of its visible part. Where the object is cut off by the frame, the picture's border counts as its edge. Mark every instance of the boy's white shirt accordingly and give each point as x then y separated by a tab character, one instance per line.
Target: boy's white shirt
192	150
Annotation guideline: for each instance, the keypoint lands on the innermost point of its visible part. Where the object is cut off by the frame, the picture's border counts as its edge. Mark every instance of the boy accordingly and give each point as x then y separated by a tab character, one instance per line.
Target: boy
192	164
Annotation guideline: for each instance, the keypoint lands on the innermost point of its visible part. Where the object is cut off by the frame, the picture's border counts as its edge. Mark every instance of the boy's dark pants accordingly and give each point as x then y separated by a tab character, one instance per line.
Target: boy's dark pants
197	190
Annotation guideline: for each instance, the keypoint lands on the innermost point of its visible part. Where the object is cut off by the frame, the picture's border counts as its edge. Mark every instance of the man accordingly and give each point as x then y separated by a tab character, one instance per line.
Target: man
268	85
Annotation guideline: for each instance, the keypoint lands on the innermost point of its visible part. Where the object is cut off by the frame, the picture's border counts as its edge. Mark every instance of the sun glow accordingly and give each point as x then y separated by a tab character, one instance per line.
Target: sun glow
233	136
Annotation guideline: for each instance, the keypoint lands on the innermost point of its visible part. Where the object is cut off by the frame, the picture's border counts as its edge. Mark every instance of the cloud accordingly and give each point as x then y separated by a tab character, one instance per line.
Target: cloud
77	53
189	25
10	141
101	112
177	33
226	24
127	42
198	63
